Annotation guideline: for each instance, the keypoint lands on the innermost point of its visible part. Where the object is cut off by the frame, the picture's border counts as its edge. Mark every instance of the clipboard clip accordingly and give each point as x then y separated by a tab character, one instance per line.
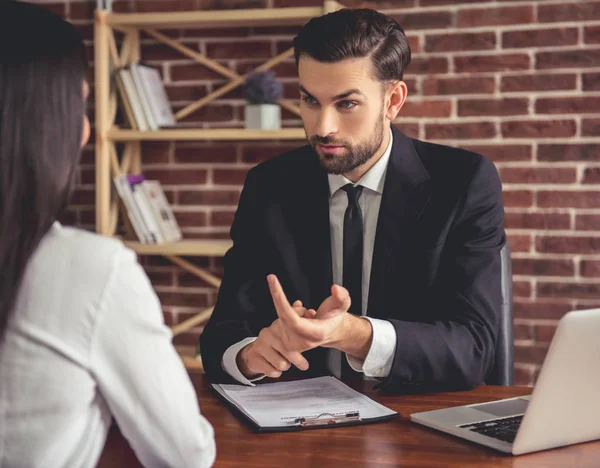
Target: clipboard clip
327	419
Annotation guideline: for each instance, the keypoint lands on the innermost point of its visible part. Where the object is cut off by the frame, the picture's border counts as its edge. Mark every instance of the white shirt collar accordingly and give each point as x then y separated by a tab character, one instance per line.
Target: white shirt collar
373	179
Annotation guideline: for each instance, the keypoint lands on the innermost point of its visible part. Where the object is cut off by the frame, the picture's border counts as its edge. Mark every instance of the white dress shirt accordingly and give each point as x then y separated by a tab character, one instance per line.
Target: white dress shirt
378	361
87	339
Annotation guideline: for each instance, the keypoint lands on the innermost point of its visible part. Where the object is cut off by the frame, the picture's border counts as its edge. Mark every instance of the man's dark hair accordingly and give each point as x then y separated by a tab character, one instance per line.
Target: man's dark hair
356	33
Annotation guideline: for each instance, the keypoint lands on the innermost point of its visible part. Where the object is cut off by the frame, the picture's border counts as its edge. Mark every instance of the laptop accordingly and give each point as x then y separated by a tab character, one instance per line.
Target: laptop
563	409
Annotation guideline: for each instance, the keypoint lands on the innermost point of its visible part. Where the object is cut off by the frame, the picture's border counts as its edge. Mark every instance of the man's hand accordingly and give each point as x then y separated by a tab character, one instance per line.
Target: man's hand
268	354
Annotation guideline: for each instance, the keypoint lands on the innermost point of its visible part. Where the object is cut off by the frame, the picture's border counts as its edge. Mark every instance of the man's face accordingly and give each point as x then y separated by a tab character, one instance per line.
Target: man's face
342	107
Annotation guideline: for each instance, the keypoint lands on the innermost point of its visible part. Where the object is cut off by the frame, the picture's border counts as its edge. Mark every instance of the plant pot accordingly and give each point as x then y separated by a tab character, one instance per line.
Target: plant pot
263	116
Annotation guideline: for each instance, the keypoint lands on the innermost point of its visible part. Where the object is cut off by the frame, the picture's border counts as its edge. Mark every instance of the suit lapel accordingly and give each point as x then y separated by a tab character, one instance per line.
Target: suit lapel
406	193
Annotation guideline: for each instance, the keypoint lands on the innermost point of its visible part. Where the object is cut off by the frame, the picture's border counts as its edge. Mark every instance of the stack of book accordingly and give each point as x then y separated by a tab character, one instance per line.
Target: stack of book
144	97
148	209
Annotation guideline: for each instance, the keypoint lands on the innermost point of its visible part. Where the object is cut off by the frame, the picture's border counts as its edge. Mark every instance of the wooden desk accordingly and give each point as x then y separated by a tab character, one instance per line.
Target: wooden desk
395	443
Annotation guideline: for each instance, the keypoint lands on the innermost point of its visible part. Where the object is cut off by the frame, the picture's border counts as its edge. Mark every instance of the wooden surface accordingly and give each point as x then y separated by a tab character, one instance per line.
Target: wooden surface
394	443
198	247
192	134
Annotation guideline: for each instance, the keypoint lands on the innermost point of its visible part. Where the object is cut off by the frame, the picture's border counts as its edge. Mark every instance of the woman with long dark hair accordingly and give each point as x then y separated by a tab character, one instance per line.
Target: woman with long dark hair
82	335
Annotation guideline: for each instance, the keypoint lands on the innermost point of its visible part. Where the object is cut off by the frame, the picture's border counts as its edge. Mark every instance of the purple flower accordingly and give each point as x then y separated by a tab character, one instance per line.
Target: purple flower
262	88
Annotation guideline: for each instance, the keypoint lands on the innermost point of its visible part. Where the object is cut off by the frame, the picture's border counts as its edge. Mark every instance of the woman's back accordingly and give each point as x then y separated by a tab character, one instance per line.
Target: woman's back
87	338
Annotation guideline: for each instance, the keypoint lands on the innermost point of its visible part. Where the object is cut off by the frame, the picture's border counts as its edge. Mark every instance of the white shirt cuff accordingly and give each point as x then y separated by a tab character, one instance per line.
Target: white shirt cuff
229	362
380	357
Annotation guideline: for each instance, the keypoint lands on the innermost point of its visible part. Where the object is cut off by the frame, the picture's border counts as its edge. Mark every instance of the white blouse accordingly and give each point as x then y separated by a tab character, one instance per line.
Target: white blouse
87	339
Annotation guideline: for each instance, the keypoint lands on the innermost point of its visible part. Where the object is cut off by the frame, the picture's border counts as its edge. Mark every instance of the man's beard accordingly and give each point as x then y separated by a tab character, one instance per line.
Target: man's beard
353	155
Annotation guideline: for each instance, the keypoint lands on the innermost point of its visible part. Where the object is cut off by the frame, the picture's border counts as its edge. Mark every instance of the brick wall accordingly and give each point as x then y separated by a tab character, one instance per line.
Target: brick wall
518	81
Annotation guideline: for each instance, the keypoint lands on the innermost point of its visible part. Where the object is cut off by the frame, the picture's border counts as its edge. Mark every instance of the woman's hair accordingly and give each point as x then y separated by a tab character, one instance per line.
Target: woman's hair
356	33
42	71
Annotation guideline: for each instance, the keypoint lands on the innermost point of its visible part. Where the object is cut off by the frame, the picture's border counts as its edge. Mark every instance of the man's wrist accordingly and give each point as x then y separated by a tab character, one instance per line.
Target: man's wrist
353	336
242	362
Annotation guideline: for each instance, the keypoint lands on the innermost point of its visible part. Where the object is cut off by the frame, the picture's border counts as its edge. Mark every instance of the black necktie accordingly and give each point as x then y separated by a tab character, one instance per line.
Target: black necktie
352	262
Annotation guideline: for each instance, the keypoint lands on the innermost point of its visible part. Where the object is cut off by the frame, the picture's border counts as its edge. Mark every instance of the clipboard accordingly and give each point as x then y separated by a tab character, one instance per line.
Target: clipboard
369	412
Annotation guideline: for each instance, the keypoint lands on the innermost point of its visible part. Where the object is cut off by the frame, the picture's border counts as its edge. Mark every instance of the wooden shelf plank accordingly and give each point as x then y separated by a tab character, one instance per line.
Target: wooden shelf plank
117	134
198	248
215	18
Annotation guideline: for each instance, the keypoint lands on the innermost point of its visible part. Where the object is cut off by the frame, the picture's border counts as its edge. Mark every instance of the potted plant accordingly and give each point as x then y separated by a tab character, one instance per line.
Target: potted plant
262	92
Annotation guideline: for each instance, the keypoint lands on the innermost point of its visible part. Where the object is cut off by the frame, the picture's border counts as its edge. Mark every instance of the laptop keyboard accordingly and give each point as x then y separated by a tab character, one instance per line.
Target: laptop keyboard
504	429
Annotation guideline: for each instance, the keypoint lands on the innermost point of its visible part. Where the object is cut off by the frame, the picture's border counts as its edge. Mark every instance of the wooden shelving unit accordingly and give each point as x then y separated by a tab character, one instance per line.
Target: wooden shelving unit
108	164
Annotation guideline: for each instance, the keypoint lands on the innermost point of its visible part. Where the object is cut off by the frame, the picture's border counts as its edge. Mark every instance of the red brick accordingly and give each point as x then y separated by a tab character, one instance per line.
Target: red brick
591	175
524	375
415	44
532	354
460	42
82	10
207	154
177	176
186	93
592	35
462	85
429	20
161	278
541	309
503	153
517	198
544	332
574	152
519	242
210	113
587	222
426	109
83	197
209	197
570	105
478	17
567	59
590	268
221	218
189	339
537	175
239	49
160	52
412	130
156	152
538	82
460	130
565	245
568	290
276	30
86	31
449	2
540	38
521	289
491	63
191	218
590	127
56	8
427	65
483	107
164	6
229	176
569	11
538	129
591	81
545	221
376	4
523	331
193	72
568	199
541	267
256	154
183	299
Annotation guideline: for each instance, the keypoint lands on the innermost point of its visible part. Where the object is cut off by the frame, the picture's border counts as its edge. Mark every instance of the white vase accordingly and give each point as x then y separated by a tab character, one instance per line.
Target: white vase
263	116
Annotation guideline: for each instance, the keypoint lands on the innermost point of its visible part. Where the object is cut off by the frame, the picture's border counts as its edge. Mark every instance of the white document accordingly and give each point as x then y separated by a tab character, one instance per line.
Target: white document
280	405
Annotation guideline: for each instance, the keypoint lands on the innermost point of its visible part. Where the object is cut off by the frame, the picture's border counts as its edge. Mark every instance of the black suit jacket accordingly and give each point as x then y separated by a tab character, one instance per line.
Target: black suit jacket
436	261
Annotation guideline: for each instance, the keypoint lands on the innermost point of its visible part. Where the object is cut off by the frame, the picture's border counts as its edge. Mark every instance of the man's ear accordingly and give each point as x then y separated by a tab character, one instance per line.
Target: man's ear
396	94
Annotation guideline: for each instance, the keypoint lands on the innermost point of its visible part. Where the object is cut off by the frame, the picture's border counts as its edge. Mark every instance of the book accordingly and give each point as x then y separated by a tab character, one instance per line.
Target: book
155	93
142	92
162	211
126	193
134	99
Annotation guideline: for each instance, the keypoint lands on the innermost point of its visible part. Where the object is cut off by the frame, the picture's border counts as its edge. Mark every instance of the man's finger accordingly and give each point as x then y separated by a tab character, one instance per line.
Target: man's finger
298	360
273	357
282	305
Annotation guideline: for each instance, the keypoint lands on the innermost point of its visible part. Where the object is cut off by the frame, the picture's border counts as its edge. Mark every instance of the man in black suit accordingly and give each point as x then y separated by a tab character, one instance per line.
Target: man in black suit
389	247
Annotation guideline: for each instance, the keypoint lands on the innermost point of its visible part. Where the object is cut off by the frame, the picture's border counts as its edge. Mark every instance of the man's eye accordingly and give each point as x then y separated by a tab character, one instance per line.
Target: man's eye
347	104
309	100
